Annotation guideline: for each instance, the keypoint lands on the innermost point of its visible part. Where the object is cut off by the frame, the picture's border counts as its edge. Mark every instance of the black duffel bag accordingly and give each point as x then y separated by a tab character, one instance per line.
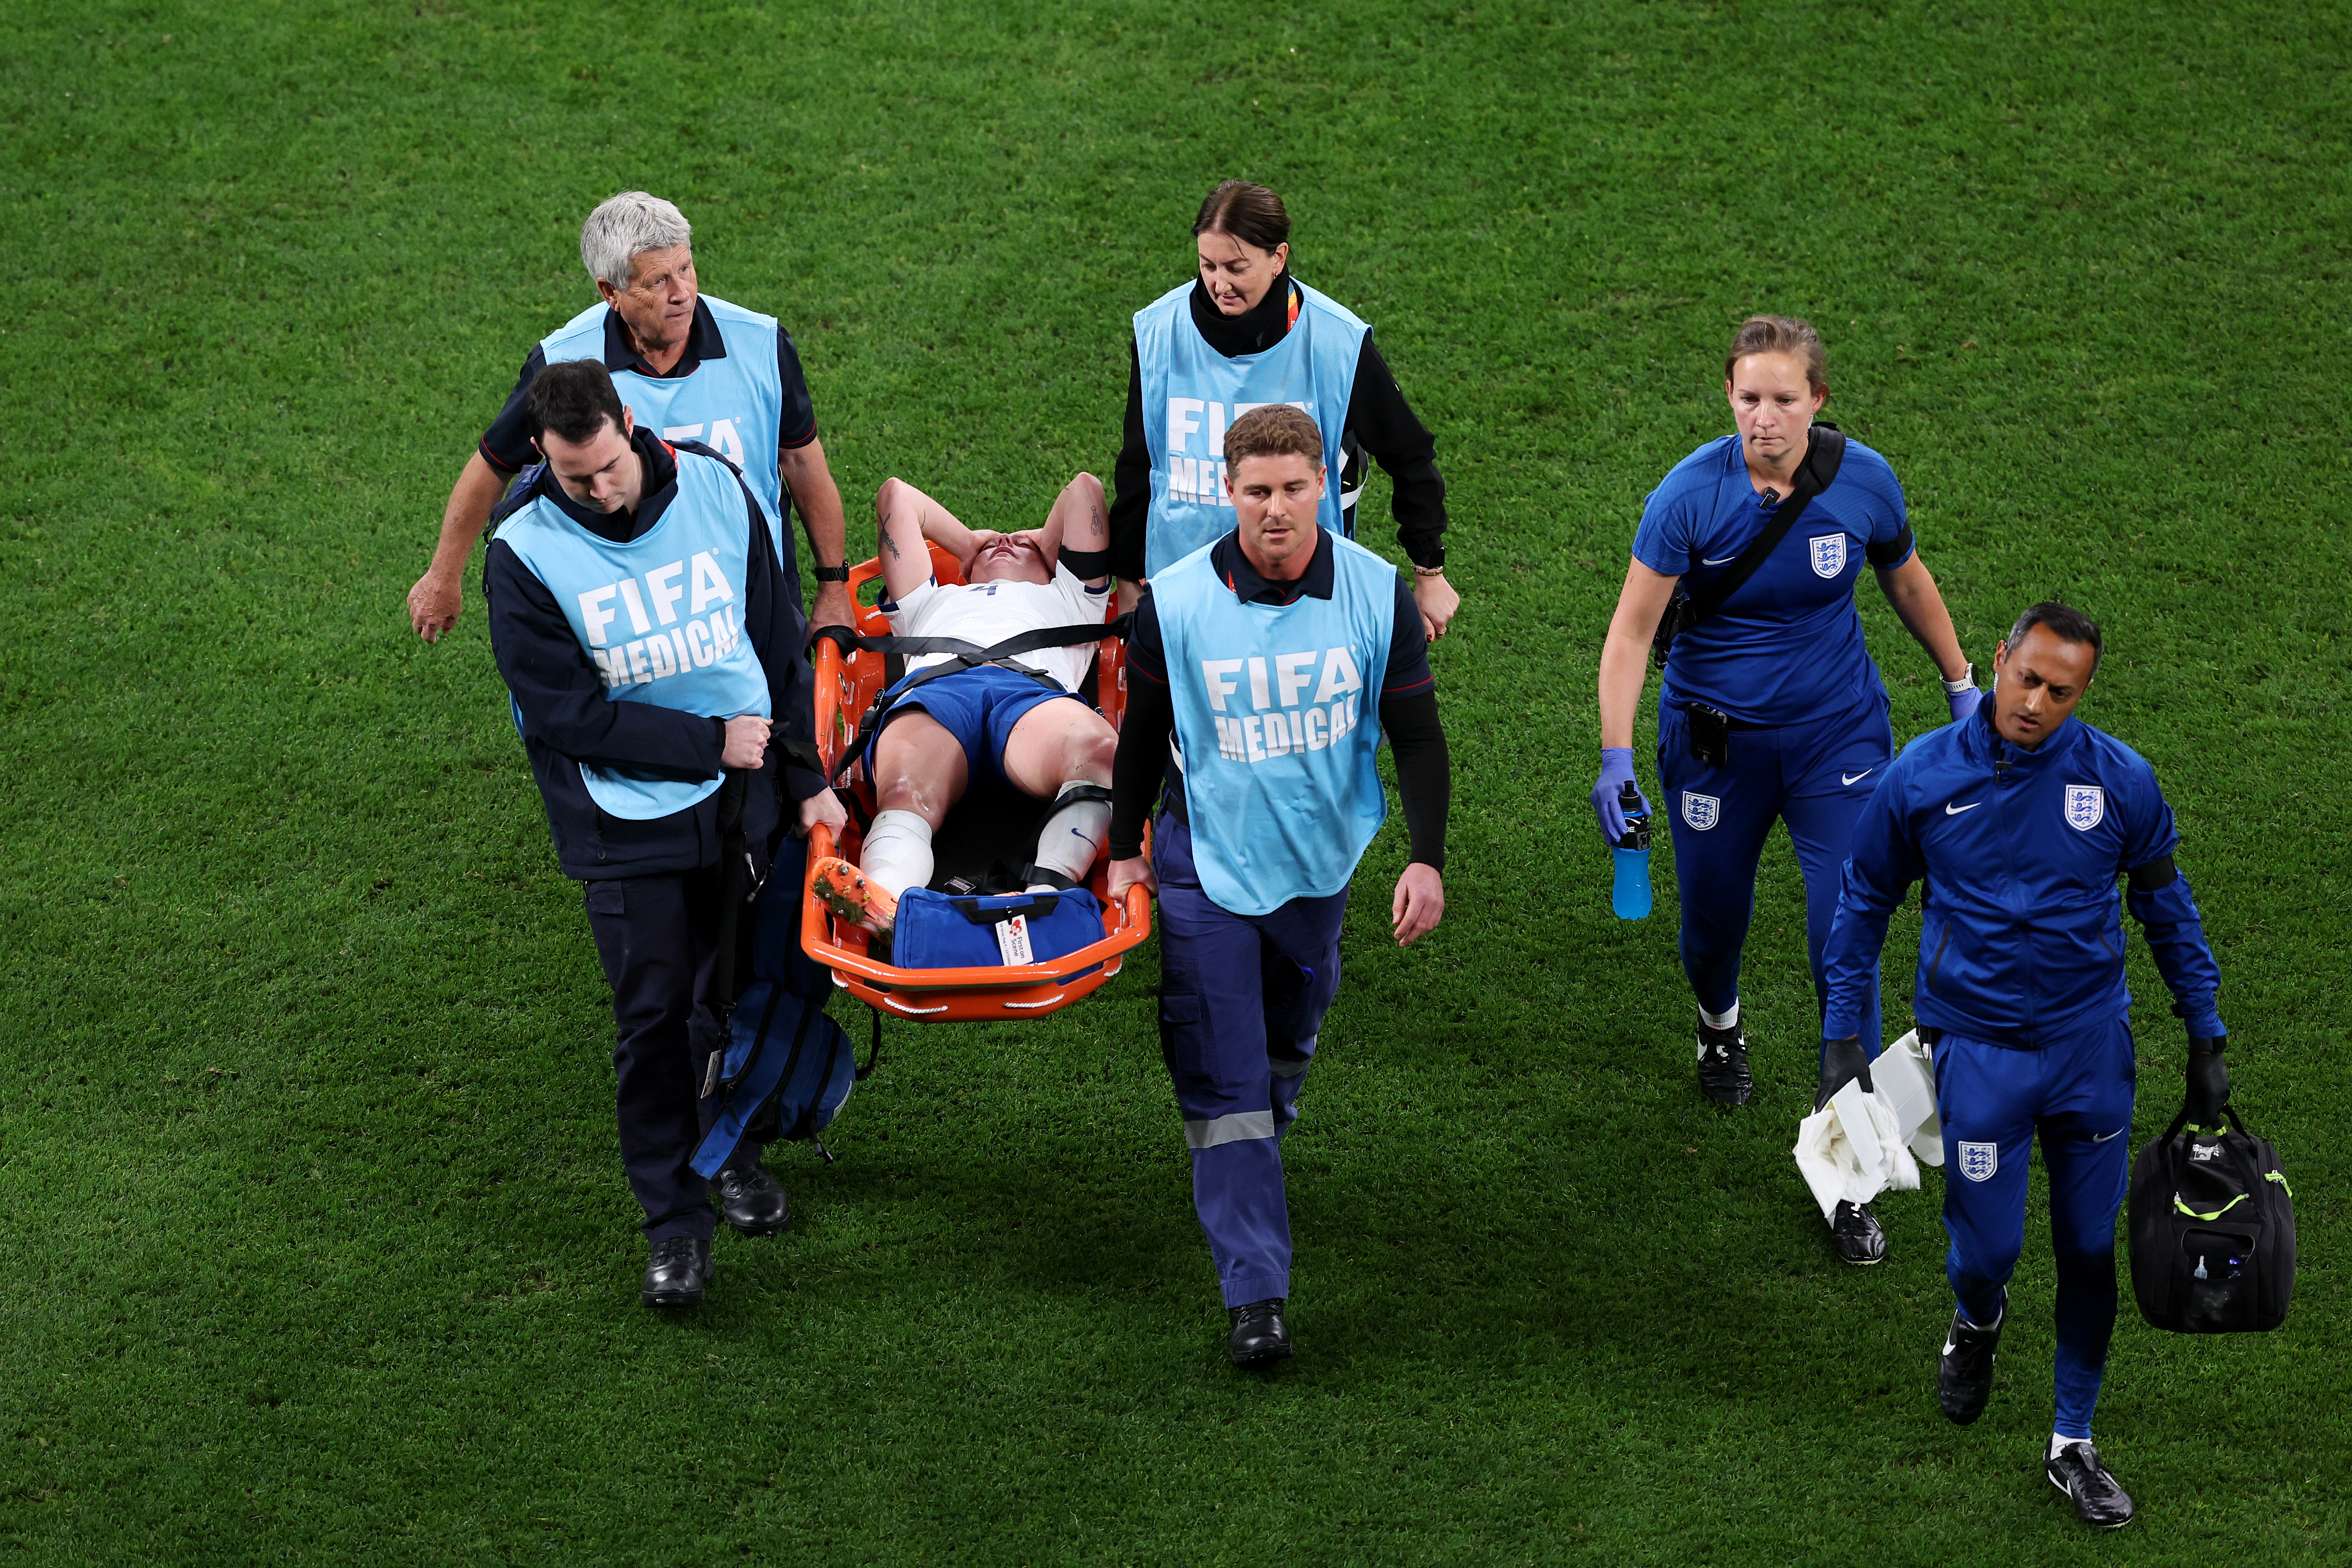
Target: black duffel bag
2212	1232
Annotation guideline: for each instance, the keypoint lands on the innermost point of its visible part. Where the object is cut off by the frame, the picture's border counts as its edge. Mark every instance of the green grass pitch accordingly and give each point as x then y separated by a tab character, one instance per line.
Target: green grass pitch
316	1244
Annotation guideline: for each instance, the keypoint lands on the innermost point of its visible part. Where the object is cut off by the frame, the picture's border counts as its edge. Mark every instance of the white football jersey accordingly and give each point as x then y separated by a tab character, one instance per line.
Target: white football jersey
986	614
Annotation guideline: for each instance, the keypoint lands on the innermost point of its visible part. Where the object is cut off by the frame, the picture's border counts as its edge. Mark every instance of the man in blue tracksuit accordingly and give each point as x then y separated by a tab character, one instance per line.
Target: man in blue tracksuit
651	645
1274	657
2019	823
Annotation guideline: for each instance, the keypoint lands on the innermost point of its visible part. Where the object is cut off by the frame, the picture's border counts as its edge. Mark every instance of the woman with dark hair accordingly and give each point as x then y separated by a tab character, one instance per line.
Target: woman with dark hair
1243	334
1771	708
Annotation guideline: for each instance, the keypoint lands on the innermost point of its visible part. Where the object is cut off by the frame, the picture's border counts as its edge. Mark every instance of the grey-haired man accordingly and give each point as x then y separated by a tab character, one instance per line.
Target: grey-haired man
691	367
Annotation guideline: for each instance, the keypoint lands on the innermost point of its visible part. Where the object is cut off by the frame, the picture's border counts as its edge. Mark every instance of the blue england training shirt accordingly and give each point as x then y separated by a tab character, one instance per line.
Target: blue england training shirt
1786	647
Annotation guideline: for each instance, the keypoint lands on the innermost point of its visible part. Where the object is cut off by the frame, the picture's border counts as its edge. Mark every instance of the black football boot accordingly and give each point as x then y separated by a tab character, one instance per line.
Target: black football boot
1722	1065
2079	1472
1856	1232
1964	1375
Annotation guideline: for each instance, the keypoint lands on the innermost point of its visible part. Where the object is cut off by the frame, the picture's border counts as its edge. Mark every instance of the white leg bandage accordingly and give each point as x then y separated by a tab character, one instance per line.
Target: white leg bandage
1727	1019
1074	833
897	854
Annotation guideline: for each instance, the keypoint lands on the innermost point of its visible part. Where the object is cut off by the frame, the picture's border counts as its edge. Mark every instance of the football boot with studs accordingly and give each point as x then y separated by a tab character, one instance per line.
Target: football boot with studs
2079	1472
1723	1064
1964	1373
1859	1237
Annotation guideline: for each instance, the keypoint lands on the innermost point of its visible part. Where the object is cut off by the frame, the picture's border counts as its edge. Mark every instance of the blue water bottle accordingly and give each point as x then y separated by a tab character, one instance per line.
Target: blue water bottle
1631	897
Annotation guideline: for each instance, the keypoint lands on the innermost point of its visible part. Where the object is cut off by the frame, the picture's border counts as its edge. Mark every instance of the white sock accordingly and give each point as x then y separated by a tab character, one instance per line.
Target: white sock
1728	1019
897	854
2059	1442
1074	834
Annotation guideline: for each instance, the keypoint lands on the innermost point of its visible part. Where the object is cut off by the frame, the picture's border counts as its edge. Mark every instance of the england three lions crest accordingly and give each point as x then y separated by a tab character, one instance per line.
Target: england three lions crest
1829	555
1701	811
1979	1160
2086	805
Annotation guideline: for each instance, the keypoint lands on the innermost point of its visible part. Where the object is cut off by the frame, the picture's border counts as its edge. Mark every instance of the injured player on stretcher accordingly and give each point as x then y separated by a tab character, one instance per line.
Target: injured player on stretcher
1019	718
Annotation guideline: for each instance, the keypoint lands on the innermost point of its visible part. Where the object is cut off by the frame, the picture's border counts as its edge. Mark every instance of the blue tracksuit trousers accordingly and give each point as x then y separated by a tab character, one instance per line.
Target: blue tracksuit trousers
1241	998
2078	1098
1816	777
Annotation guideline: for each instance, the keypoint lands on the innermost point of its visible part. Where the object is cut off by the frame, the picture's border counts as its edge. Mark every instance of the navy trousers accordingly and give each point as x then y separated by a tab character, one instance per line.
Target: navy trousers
658	938
2078	1096
1815	777
1241	998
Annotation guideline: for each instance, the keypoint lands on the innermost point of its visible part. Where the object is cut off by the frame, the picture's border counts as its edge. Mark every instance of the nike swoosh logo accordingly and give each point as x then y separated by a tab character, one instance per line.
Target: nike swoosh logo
2096	1138
1706	563
1850	778
1949	1347
1951	810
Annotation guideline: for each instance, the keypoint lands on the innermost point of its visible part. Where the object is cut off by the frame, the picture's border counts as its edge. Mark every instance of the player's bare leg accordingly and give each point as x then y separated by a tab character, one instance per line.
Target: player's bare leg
1063	751
920	773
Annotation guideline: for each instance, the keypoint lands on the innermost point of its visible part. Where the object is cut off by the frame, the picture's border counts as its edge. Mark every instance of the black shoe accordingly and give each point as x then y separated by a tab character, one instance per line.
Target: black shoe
679	1275
1722	1065
1856	1231
1260	1337
2079	1473
752	1201
1964	1375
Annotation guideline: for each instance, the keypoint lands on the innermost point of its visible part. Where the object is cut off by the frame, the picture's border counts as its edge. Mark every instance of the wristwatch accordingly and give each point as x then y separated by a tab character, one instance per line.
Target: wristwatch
1435	569
1966	682
833	574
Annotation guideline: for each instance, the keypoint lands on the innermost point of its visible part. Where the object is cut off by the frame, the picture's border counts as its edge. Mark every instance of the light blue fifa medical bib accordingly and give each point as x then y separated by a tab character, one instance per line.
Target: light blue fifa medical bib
1190	393
662	617
732	405
1278	718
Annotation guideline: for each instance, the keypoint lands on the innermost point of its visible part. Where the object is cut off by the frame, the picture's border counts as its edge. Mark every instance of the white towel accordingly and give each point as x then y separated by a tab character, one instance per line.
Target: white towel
1854	1166
1905	1074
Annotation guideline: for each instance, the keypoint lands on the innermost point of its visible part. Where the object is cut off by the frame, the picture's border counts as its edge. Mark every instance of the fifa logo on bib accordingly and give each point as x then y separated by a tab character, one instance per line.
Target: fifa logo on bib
1284	727
2086	805
666	643
1979	1160
1201	478
1829	555
1701	811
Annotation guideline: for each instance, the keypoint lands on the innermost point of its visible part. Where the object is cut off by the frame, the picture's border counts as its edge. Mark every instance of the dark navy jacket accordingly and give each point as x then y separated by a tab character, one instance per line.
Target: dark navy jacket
566	718
2023	944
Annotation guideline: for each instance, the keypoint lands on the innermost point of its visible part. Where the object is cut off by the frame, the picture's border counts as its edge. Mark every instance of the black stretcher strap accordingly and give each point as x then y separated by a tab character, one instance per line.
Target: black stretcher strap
961	656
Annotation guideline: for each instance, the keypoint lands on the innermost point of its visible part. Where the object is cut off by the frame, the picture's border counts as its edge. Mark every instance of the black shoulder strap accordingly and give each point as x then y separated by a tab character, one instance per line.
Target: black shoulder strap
962	655
517	496
1824	452
1020	643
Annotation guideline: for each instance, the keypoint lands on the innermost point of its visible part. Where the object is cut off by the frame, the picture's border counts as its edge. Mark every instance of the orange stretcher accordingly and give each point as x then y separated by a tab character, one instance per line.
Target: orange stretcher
847	685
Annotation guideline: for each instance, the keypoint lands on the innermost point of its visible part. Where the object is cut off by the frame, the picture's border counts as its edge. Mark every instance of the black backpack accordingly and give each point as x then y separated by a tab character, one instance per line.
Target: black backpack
2212	1232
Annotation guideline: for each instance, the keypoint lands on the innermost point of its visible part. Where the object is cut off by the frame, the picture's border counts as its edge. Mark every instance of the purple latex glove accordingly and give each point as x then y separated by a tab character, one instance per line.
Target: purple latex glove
1963	702
1616	772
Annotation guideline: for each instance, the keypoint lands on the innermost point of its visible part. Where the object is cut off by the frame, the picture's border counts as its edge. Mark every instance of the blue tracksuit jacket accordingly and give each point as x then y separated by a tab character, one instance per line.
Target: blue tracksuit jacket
2023	944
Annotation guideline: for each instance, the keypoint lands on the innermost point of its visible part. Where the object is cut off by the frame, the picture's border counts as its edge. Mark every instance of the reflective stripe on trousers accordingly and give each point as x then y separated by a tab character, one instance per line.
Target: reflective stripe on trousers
1241	998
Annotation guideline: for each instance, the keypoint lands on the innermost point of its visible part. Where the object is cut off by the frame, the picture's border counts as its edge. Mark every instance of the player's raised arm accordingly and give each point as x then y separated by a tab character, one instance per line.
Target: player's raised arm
905	518
1078	531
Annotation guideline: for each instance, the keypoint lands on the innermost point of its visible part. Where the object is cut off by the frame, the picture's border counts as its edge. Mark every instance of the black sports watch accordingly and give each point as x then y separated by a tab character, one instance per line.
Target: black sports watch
833	574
